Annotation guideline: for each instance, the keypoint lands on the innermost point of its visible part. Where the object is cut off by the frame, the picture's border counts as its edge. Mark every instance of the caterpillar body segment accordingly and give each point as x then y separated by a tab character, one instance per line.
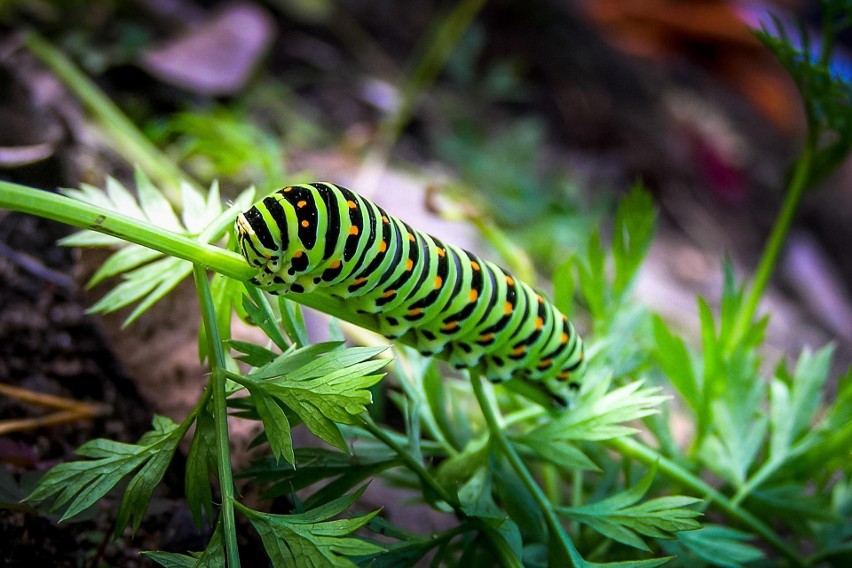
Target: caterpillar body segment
448	301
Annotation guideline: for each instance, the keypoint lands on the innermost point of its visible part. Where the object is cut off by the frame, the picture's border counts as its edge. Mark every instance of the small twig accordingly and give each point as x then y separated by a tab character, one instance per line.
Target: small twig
557	532
68	410
36	268
640	452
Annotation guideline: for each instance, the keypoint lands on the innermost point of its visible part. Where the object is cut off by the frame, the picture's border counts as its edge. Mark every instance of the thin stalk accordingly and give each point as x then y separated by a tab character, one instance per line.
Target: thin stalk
220	413
576	496
552	482
414	465
769	468
755	481
515	256
260	299
129	141
497	433
431	421
522	415
640	452
430	57
775	244
499	546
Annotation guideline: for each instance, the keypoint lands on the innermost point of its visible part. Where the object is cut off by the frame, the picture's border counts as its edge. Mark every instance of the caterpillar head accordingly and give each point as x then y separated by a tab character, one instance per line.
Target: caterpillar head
260	246
248	240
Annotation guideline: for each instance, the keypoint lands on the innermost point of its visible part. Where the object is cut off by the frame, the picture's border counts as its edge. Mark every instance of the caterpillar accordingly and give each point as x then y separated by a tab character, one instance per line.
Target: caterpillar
448	301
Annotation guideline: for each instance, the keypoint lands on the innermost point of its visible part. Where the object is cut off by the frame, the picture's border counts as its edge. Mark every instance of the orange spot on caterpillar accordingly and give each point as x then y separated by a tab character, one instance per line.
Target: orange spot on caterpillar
353	230
507	308
474	294
441	252
486	337
563	376
306	224
509	280
564	339
360	280
450	326
409	264
474	265
383	246
414	311
301	204
288	189
389	293
519	350
335	265
539	298
410	237
438	281
545	363
539	323
385	219
351	204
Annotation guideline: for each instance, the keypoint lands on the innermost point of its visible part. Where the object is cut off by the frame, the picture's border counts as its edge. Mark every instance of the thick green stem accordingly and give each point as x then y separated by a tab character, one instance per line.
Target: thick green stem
774	246
557	532
87	216
220	413
130	142
638	451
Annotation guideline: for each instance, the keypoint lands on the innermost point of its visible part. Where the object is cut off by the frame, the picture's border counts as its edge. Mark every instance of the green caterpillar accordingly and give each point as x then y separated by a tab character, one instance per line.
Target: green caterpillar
449	301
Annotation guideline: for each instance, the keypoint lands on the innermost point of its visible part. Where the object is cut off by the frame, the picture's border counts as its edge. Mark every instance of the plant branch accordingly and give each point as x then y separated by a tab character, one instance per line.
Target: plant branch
86	216
504	554
220	413
640	452
774	246
557	532
414	465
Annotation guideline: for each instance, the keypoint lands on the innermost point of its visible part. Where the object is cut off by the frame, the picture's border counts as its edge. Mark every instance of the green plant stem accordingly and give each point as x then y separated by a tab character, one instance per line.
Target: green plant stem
129	141
430	57
86	216
640	452
260	299
769	468
774	246
220	413
414	465
516	257
433	54
576	496
505	555
557	532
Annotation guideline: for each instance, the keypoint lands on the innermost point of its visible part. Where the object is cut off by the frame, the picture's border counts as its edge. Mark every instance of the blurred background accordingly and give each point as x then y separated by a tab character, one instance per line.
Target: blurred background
526	120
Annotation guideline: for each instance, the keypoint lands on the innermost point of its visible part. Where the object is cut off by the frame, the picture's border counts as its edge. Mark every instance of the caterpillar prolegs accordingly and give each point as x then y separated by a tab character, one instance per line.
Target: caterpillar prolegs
453	304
